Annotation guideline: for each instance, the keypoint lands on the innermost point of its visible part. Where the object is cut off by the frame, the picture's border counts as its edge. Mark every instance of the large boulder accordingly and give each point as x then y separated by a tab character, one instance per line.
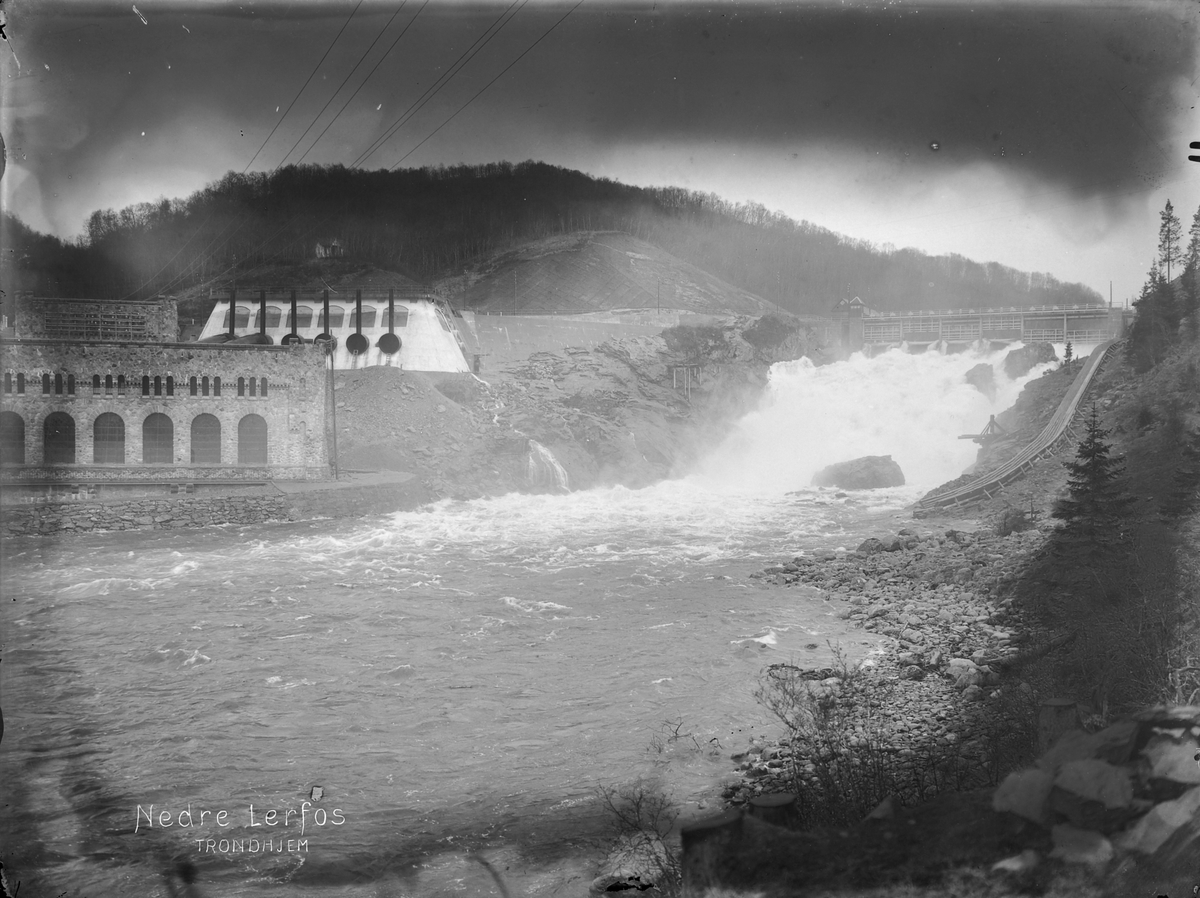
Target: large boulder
867	473
1019	362
983	378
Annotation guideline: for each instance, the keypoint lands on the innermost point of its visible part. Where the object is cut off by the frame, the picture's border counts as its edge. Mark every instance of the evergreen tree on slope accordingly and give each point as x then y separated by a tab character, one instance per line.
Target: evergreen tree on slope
1170	236
1191	278
1096	502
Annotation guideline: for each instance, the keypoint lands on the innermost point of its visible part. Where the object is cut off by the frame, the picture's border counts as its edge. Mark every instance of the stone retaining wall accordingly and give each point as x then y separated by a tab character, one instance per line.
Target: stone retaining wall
175	513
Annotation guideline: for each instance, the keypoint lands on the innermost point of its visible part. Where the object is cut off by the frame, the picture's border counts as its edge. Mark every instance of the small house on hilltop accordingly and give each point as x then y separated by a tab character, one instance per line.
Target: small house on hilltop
330	250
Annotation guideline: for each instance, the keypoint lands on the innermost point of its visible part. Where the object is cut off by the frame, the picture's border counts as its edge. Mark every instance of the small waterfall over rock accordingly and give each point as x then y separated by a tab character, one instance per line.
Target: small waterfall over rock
543	470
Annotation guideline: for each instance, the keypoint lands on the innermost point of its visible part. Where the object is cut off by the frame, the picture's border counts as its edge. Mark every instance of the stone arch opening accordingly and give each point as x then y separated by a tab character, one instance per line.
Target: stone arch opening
58	439
12	439
206	440
252	440
158	440
108	439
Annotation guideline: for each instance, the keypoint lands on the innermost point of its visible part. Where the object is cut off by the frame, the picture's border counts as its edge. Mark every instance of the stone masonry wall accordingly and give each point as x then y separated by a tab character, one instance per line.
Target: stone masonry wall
293	407
49	519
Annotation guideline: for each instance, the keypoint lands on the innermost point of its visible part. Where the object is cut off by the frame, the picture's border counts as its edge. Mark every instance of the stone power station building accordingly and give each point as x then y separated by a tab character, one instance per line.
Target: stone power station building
99	394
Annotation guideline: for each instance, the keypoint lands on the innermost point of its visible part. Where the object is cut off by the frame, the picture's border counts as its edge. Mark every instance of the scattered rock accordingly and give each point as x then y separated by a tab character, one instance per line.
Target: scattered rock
1080	846
983	378
1019	362
1160	823
1025	793
866	473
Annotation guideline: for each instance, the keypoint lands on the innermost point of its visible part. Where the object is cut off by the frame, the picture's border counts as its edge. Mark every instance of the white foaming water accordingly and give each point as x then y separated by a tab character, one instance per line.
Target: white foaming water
459	677
544	471
911	407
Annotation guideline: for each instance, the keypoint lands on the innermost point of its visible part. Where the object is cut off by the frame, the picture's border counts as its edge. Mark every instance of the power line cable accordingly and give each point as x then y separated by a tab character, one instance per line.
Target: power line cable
299	92
365	80
430	135
178	252
486	86
477	46
340	86
430	92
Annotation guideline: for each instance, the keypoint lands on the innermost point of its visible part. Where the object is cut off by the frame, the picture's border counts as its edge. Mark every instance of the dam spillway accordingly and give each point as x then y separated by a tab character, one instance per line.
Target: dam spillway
855	327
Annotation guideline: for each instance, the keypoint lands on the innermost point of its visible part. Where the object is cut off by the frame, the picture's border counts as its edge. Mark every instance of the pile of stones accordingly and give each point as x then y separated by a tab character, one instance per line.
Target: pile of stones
1124	800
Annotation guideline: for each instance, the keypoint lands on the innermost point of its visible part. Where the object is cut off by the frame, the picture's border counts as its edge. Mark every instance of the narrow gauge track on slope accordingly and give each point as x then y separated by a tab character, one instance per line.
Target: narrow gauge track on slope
1048	441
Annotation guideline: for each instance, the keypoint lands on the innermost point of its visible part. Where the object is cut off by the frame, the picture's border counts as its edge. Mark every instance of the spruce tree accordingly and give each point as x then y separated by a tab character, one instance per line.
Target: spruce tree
1170	234
1155	327
1191	278
1096	500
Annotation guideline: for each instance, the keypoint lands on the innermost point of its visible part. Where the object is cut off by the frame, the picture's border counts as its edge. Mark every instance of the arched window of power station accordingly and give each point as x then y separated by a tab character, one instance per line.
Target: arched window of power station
96	384
368	317
216	386
253	388
158	440
303	318
193	386
45	384
58	439
274	315
262	387
241	386
401	317
120	384
241	319
12	439
206	440
145	384
336	314
157	385
108	440
252	441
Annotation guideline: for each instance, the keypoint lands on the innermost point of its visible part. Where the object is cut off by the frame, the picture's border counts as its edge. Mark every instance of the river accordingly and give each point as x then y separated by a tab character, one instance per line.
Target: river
463	677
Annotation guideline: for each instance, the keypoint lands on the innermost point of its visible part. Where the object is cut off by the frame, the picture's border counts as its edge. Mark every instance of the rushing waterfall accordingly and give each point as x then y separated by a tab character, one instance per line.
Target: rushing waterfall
912	407
543	470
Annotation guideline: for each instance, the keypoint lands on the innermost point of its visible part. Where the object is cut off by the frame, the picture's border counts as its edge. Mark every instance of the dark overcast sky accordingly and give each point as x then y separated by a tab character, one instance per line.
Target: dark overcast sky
1061	128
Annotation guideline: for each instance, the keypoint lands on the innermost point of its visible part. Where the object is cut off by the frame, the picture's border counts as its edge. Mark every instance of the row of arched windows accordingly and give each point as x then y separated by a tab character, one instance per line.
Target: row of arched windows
338	317
108	440
58	384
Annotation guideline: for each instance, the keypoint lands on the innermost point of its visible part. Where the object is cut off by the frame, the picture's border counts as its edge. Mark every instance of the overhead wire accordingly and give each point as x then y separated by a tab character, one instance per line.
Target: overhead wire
414	108
311	75
486	86
477	46
365	80
361	58
430	92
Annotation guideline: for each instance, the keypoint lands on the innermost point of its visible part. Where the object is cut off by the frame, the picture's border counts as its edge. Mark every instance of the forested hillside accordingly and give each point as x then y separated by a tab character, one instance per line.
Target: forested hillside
429	223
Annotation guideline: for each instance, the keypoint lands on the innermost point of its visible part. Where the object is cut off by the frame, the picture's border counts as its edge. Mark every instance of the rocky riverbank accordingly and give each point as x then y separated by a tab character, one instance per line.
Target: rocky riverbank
924	715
